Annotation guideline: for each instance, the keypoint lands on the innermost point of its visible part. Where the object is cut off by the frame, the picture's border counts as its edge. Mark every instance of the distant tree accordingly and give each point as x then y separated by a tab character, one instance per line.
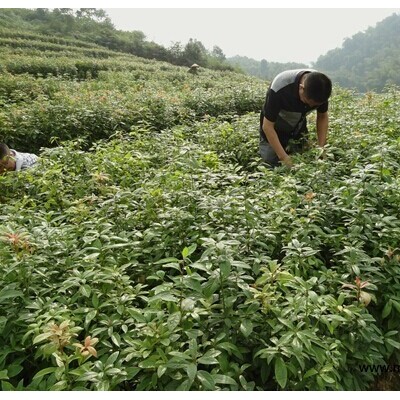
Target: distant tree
194	53
264	68
41	14
156	51
95	14
60	20
176	53
218	53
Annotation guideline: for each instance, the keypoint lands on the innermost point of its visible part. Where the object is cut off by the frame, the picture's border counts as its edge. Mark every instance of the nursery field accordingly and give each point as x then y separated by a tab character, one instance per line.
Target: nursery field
151	249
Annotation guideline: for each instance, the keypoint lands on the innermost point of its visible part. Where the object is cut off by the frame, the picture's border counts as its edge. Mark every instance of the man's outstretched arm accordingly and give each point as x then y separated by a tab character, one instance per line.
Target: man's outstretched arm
322	128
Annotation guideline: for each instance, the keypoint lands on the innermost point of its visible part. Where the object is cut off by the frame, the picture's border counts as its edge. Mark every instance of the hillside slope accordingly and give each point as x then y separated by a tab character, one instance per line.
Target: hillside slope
262	69
368	60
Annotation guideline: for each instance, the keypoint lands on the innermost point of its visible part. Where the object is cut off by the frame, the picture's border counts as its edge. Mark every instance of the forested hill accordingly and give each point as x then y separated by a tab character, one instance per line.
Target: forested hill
368	60
94	27
263	69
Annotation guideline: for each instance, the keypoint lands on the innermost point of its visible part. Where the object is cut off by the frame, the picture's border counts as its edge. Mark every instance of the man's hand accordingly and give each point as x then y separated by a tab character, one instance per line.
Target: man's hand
287	161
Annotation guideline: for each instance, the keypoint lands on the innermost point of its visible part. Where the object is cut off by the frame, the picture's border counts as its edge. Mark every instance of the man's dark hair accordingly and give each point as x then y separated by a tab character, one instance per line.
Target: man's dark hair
4	150
317	87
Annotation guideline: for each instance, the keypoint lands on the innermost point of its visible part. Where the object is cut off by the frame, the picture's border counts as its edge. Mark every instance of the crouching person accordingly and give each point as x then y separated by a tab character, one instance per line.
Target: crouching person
291	96
12	160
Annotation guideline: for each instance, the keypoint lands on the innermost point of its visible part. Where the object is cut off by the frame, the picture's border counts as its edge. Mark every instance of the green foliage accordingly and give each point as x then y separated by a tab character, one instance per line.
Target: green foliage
152	250
53	29
263	69
126	93
368	60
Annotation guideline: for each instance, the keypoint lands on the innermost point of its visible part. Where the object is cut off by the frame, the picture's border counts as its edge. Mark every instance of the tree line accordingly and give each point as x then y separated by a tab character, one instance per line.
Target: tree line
367	61
94	25
263	69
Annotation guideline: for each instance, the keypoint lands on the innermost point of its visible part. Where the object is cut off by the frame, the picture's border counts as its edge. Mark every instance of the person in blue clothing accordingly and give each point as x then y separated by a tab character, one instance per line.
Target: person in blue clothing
292	95
12	160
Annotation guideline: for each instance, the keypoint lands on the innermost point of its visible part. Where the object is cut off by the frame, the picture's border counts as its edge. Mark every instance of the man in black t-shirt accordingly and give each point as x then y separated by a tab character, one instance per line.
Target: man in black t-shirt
291	96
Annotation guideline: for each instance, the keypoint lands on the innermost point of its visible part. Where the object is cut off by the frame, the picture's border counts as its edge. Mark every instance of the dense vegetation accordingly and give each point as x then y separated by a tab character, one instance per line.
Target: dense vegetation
368	60
263	69
152	250
94	26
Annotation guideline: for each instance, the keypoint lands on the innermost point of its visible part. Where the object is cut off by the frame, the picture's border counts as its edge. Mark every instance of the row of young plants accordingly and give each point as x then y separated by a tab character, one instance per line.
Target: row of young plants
174	260
26	35
40	47
60	64
47	108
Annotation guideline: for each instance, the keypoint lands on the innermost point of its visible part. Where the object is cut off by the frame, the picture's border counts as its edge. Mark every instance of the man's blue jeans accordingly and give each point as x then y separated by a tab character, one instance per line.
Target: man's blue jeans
268	154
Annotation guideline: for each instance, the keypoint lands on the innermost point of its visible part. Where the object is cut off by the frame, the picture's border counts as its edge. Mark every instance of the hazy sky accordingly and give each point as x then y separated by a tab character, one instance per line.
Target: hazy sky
283	35
287	30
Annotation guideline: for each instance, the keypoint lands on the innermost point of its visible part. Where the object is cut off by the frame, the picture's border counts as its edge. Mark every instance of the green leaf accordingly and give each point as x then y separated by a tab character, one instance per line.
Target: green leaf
387	309
191	370
4	374
356	270
41	337
187	251
396	305
89	316
280	372
117	246
207	360
161	370
184	386
327	378
225	268
284	277
44	372
246	327
6	294
85	290
164	296
113	371
230	348
14	370
95	300
132	372
173	321
59	385
6	386
113	357
224	379
116	339
309	373
393	343
193	284
59	360
341	299
206	379
3	321
91	256
167	260
211	287
151	362
249	386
